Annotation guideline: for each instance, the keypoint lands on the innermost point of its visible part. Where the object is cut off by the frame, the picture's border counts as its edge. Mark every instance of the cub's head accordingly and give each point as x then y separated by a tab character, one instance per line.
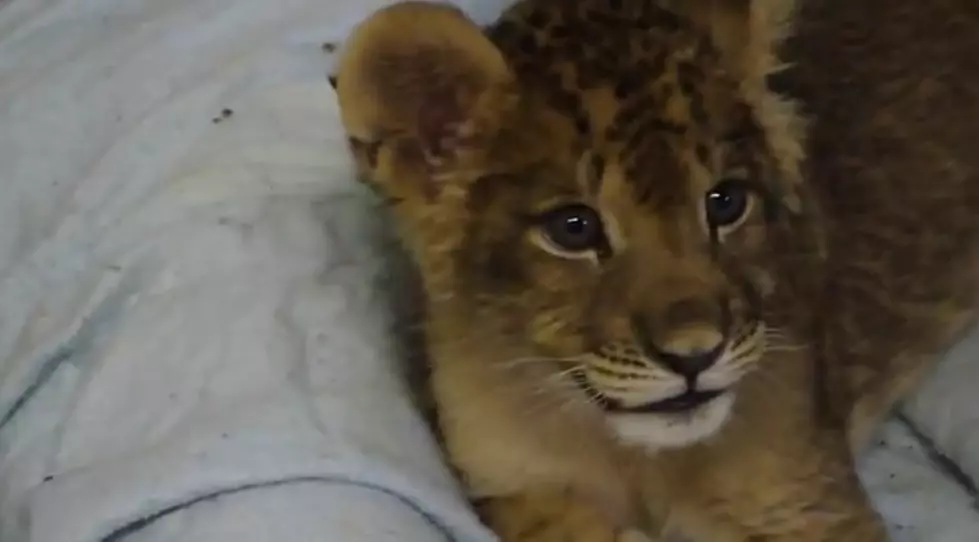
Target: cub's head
627	263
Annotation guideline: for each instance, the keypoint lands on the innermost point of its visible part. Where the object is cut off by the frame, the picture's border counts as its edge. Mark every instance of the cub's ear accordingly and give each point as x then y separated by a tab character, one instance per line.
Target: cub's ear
422	72
747	33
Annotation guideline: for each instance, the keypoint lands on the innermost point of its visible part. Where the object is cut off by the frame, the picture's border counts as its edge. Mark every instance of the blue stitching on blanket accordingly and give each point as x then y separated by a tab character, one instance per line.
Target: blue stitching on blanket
941	461
48	368
82	340
119	534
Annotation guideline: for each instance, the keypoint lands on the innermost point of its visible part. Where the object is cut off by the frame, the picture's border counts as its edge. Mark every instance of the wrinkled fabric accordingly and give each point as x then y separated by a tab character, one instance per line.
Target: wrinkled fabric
195	304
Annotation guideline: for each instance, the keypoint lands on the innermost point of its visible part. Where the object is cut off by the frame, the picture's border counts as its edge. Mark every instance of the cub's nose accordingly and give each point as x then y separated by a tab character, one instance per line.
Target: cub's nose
688	352
687	338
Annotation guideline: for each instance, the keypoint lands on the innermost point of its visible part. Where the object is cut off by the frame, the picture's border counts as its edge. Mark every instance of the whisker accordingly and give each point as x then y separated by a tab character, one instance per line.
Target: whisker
781	340
560	378
589	395
593	396
532	360
570	371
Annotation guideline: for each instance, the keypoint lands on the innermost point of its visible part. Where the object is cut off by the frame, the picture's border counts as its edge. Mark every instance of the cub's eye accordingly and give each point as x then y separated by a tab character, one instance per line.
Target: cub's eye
574	228
726	204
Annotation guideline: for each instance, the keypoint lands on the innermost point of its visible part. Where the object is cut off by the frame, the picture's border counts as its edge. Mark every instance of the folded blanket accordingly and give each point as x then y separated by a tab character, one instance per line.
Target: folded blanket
195	323
193	305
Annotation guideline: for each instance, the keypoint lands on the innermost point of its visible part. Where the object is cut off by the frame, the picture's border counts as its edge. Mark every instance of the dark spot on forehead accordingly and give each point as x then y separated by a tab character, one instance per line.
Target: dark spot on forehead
549	80
656	175
503	31
596	170
648	129
703	153
559	32
629	83
574	47
604	19
690	72
587	78
707	52
697	110
566	101
655	64
537	18
661	125
655	16
783	82
528	44
686	86
745	125
644	104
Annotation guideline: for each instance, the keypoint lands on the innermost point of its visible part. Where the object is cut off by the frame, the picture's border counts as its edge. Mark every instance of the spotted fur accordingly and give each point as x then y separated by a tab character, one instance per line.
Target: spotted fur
561	376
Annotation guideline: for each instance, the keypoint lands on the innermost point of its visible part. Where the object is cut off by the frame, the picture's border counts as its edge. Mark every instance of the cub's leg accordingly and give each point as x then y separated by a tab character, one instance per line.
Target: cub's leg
824	519
857	523
832	506
772	475
551	517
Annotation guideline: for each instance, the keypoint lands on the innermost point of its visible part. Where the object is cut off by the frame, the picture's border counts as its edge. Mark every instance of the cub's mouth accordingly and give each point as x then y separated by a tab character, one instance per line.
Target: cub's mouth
685	402
688	401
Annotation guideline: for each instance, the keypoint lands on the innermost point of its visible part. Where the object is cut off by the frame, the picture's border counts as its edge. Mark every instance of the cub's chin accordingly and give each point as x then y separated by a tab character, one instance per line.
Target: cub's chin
674	423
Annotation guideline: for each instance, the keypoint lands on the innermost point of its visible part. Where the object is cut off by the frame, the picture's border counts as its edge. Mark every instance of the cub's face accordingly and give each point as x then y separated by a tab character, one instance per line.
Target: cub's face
630	272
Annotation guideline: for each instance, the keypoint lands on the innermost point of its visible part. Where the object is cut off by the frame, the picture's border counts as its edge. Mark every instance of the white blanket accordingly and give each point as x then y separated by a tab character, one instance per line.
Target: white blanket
194	327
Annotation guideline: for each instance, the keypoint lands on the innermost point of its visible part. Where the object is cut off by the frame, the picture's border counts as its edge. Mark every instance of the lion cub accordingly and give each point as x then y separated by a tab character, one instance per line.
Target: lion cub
640	317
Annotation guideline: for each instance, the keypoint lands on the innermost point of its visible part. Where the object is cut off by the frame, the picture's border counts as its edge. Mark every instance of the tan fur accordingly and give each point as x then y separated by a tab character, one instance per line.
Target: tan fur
833	296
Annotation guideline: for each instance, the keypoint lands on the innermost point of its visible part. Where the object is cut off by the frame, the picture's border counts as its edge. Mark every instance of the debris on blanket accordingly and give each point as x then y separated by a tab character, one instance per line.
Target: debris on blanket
330	47
226	113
